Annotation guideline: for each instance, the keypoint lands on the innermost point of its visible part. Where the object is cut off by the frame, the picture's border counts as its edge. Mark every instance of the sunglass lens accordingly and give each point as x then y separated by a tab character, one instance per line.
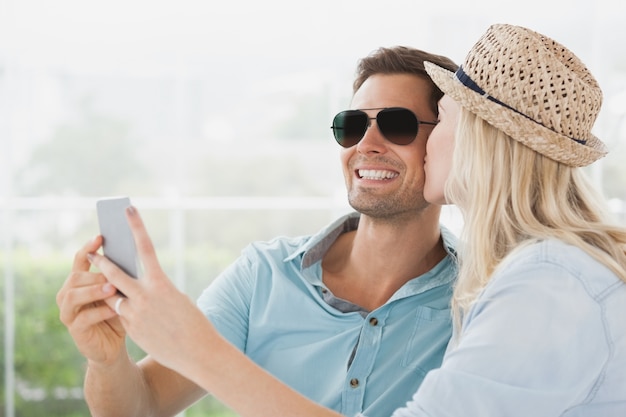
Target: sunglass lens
398	125
349	127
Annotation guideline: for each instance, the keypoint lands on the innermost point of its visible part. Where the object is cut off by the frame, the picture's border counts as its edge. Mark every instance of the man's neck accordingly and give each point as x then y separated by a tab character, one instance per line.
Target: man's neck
367	266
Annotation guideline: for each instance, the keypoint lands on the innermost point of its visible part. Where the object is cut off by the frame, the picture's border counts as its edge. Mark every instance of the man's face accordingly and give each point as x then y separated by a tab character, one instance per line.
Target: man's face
383	179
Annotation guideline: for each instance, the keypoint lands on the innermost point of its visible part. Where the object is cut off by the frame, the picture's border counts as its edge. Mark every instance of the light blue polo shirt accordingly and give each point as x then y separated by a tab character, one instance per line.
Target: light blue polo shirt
272	304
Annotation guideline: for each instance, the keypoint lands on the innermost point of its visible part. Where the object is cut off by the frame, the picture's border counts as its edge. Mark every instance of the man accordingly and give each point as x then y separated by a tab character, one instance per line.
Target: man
352	317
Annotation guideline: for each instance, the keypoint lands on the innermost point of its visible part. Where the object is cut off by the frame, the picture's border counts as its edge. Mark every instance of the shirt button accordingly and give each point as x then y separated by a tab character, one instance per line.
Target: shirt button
374	321
354	383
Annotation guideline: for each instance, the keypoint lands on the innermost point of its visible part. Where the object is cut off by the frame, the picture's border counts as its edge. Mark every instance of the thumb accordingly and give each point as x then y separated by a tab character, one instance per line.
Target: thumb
81	262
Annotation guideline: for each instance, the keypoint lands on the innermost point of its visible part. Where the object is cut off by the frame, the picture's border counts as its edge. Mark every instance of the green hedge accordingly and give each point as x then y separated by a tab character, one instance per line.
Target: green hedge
48	368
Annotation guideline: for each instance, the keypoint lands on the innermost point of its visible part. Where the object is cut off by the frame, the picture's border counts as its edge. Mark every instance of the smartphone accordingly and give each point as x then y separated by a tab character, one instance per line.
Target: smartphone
118	243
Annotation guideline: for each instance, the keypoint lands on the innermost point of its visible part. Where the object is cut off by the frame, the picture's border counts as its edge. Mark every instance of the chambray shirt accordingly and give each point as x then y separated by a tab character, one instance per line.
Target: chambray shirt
547	337
273	305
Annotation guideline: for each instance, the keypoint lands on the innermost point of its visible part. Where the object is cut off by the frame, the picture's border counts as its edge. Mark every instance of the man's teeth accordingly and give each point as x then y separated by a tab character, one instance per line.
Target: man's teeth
376	174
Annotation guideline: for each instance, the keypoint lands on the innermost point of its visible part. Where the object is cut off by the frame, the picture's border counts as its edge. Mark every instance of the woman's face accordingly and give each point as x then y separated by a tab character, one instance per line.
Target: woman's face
439	148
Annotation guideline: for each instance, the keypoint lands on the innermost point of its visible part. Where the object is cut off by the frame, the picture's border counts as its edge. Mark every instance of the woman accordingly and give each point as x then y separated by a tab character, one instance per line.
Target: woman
541	298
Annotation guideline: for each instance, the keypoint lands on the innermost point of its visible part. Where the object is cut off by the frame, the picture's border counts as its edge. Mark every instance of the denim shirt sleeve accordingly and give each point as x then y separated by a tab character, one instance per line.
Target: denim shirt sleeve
533	344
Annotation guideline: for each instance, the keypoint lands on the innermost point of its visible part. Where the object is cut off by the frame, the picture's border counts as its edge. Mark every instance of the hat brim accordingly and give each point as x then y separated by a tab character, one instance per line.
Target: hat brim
532	134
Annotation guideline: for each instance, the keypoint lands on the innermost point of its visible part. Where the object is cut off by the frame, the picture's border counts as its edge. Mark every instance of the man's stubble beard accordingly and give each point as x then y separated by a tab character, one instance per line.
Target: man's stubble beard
386	207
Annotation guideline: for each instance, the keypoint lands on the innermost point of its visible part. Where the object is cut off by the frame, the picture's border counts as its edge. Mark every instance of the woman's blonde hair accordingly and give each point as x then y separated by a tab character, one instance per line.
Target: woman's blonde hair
510	196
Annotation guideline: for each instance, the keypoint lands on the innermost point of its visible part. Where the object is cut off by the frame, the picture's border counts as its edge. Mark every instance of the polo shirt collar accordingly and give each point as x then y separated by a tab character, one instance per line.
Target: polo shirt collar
314	249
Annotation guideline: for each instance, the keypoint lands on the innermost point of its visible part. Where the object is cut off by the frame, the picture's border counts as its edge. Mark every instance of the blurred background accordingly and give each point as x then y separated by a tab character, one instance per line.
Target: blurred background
214	118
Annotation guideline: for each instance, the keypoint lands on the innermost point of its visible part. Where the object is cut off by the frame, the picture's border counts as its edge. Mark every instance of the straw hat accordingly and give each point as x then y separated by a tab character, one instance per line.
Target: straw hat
533	89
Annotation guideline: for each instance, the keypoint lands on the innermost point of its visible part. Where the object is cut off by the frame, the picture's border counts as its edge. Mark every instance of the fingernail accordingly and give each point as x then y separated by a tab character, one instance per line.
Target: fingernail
131	210
107	288
90	257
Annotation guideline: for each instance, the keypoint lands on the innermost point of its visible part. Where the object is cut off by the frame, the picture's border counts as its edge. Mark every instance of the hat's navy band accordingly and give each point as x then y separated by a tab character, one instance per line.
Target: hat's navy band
469	83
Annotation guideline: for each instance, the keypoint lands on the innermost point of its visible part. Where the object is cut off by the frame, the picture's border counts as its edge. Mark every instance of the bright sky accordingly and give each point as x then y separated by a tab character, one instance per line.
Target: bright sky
246	50
256	45
108	35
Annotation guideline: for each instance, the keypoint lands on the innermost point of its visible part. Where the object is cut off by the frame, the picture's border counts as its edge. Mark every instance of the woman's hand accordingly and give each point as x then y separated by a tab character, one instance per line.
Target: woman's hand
156	315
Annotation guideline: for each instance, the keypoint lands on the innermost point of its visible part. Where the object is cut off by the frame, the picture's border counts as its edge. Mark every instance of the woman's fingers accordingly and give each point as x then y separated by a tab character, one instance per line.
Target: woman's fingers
115	275
144	245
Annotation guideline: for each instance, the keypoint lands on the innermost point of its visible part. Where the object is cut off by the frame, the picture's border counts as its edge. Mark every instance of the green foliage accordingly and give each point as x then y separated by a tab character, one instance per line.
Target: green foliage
49	369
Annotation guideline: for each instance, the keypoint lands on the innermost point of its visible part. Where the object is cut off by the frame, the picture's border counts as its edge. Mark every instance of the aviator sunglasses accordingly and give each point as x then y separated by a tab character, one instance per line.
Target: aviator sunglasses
397	124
